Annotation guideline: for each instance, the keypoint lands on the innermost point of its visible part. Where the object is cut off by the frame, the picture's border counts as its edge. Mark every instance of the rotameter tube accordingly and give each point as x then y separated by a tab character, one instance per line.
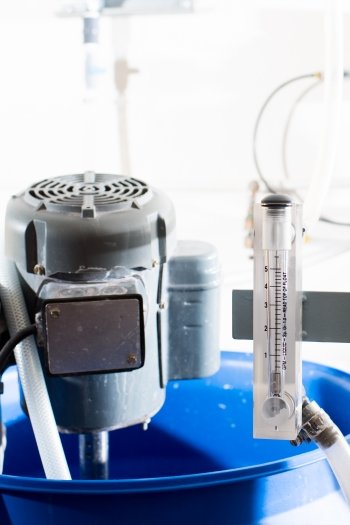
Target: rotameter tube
277	318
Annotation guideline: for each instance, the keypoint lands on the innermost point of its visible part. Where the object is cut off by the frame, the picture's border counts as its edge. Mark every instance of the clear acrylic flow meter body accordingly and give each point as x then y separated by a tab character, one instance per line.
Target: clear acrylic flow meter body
277	318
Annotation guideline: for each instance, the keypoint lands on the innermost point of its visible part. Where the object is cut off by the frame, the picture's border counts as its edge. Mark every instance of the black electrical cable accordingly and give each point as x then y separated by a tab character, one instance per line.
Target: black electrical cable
10	345
287	126
5	354
261	114
319	76
300	97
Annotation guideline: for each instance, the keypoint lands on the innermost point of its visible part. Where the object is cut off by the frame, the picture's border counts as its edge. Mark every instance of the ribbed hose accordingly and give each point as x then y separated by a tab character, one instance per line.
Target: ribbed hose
32	378
2	446
318	427
338	456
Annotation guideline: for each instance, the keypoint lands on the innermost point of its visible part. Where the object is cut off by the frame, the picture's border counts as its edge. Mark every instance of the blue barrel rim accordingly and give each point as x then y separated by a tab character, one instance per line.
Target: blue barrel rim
10	483
160	484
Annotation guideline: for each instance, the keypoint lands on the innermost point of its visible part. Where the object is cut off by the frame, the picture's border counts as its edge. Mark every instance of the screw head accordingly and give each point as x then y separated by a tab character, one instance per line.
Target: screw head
39	269
55	312
132	359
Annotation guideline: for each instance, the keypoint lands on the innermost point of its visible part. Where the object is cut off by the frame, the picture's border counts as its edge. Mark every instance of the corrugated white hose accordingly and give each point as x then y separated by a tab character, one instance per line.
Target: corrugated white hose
333	94
31	376
338	456
2	448
318	427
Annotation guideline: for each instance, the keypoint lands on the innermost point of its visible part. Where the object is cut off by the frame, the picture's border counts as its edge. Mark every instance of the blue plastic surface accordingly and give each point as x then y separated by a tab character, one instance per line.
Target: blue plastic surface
197	463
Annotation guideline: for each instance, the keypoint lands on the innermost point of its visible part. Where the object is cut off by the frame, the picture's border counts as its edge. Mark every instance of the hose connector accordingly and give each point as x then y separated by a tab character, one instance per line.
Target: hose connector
317	426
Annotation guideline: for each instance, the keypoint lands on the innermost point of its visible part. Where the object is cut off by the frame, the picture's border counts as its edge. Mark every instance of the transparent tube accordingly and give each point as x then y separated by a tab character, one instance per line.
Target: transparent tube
277	319
333	82
31	376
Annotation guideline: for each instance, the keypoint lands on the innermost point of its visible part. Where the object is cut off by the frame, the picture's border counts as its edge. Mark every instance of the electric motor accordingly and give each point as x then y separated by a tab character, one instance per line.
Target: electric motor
120	306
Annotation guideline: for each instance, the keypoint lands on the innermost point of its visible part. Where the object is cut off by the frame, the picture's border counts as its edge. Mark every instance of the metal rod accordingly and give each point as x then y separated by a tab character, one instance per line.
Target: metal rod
93	455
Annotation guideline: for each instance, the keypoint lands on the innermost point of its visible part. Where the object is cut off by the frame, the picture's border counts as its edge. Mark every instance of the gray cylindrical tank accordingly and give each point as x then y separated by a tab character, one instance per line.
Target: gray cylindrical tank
193	285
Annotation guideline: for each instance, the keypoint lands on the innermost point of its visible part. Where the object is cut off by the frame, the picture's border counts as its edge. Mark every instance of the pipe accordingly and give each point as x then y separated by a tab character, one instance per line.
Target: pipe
31	376
333	81
93	455
122	71
94	80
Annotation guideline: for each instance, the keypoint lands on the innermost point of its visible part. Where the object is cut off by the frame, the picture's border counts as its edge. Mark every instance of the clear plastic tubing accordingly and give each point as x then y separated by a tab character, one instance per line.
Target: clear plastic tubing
333	94
277	319
32	378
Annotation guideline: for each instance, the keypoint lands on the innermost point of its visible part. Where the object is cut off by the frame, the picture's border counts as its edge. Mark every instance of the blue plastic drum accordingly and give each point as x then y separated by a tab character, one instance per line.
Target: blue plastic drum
197	462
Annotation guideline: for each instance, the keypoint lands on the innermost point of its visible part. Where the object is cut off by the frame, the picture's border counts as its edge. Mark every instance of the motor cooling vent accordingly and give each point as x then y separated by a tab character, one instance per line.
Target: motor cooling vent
88	193
89	220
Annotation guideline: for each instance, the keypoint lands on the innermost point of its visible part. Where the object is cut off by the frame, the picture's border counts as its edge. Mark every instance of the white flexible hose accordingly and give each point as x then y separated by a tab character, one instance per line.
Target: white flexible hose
338	456
31	376
319	428
2	448
333	82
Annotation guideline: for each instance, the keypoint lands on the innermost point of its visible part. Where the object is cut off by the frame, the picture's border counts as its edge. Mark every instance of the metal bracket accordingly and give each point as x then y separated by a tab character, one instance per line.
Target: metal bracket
326	316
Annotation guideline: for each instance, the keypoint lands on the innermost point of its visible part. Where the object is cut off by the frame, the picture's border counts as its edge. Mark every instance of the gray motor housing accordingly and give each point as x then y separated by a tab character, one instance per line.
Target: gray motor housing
76	235
63	224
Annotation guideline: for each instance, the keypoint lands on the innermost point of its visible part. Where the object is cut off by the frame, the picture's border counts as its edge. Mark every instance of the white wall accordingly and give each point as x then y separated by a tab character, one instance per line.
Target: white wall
191	107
